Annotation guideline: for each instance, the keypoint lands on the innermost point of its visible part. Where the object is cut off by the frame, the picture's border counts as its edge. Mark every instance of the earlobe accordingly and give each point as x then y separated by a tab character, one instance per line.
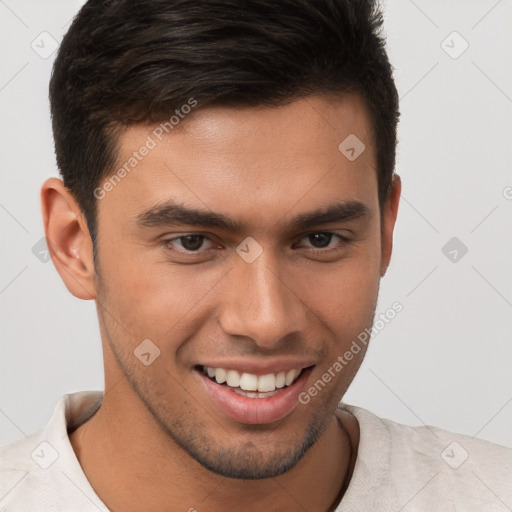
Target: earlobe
68	239
389	215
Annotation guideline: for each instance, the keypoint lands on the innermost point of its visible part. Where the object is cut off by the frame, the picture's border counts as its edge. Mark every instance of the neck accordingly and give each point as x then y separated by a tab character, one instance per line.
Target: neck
118	453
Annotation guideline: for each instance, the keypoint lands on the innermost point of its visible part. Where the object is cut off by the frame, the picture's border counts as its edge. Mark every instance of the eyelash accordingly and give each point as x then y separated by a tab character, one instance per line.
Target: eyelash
344	240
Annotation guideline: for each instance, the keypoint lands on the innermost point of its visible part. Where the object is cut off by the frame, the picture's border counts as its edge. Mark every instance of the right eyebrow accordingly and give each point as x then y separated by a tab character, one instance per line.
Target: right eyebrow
170	213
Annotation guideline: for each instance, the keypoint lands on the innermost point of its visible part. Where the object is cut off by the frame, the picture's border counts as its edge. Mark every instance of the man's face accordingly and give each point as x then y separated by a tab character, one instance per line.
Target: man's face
293	296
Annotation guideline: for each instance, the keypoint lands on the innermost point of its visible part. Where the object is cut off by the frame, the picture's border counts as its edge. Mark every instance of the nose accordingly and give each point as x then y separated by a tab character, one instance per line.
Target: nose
260	302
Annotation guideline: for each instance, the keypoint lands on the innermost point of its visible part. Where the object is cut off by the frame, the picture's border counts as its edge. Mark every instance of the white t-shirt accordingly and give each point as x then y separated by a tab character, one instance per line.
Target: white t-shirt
398	468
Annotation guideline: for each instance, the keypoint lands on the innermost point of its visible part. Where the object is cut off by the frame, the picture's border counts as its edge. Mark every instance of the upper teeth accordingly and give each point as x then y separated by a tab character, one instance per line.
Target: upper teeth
251	382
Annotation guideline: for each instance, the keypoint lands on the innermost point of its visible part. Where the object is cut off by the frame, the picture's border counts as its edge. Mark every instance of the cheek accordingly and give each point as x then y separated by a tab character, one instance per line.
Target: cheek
156	300
344	294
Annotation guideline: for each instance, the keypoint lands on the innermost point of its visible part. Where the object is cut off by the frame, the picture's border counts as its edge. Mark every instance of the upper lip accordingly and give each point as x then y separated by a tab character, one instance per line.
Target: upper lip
261	367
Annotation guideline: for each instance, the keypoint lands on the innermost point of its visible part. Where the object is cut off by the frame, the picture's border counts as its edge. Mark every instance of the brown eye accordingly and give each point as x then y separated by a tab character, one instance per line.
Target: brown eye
320	240
191	242
191	247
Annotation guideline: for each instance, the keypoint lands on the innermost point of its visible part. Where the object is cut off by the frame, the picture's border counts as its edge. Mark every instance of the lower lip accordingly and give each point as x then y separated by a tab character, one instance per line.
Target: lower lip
255	410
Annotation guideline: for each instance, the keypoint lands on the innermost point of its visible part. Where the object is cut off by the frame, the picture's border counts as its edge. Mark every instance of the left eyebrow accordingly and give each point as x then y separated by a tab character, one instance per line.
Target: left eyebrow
342	212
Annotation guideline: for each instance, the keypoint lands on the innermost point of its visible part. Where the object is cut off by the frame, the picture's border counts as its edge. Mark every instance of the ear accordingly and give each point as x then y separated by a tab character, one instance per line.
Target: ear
389	214
68	239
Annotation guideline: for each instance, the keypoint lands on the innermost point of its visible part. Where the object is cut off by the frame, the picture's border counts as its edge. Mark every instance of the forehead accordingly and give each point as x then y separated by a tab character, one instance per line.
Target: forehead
242	162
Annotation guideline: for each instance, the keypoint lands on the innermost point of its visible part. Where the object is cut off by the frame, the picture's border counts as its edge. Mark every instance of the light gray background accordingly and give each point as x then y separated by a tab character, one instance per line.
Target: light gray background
444	360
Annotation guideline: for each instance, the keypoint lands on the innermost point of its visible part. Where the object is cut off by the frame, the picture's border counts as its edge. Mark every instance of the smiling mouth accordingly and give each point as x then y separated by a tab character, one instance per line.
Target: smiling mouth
250	385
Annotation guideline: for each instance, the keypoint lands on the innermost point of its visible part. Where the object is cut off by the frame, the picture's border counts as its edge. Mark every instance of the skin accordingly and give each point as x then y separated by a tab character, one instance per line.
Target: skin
261	167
